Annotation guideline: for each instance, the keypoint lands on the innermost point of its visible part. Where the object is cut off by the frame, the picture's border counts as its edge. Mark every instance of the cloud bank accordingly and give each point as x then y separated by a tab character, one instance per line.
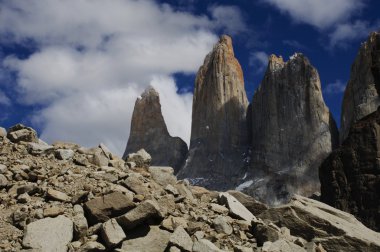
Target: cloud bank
93	58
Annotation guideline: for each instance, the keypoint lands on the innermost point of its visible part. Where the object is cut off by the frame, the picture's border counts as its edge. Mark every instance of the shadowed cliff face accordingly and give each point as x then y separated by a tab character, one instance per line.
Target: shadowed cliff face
219	130
361	96
350	176
148	131
292	131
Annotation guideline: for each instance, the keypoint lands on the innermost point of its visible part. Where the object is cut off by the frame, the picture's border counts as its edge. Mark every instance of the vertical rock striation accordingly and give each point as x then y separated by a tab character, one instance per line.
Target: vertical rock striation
292	131
362	96
219	131
148	131
350	176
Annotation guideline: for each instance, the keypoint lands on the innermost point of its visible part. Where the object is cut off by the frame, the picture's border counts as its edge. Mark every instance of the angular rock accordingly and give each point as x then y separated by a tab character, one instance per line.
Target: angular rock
147	210
204	245
292	131
350	176
155	241
111	205
49	234
361	96
57	195
3	132
219	130
149	131
141	158
163	175
39	148
112	233
316	221
283	246
221	225
254	206
135	183
92	246
20	132
64	154
3	181
80	222
236	208
181	239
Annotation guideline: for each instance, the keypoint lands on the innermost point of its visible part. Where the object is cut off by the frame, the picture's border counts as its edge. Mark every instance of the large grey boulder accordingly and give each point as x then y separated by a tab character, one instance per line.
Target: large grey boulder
20	132
49	234
315	221
112	233
361	96
149	131
219	140
292	131
163	175
236	209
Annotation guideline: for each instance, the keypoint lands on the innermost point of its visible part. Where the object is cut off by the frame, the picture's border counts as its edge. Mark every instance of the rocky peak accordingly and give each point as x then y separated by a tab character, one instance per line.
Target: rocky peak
361	96
218	134
149	131
292	131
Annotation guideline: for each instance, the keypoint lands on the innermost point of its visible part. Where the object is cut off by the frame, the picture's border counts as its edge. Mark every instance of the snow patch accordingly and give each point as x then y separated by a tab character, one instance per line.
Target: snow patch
244	185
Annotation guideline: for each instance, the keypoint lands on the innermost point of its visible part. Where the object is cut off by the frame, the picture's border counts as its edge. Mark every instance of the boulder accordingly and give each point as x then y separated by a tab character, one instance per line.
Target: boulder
350	177
64	154
145	211
163	175
57	195
149	131
361	96
293	131
282	246
141	158
111	205
49	234
254	206
3	132
219	140
156	240
235	207
3	181
39	148
112	233
19	132
204	245
221	225
315	221
181	239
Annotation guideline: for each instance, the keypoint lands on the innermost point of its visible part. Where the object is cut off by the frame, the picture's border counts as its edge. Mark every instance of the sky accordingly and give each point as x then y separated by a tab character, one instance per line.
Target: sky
73	69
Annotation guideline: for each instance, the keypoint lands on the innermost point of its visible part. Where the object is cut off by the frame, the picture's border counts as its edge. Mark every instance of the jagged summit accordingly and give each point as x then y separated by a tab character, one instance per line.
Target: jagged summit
149	131
292	131
218	133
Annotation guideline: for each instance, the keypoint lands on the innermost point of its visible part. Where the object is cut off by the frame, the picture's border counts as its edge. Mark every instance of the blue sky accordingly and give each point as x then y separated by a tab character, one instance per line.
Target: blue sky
73	69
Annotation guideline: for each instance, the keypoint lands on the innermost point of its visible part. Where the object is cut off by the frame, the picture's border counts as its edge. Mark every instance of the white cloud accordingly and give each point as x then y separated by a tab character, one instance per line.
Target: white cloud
4	100
229	18
319	13
336	87
347	32
259	60
90	67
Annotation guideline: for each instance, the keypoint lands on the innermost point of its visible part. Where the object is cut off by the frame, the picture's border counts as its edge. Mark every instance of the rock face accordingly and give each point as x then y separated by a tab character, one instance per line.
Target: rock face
334	229
292	131
362	92
148	131
350	176
219	131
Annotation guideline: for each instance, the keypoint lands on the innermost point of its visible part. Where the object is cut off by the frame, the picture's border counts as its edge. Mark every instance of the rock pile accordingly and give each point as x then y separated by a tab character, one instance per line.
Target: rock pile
91	200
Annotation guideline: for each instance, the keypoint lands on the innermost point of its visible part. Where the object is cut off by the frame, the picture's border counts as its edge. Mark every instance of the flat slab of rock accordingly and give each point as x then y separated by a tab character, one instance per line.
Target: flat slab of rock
155	241
163	175
204	245
254	206
108	206
112	233
236	208
20	133
49	234
334	229
147	210
181	239
57	195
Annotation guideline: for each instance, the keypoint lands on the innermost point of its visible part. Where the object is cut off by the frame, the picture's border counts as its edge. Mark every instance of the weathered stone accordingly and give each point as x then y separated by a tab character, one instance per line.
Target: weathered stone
53	211
163	175
350	177
80	221
20	132
3	181
147	210
141	158
92	246
334	229
39	148
149	131
112	233
57	195
361	96
172	223
221	225
111	205
49	234
283	246
218	208
292	131
3	169
135	183
181	239
3	132
235	207
254	206
204	245
219	131
64	154
23	198
99	158
171	189
155	241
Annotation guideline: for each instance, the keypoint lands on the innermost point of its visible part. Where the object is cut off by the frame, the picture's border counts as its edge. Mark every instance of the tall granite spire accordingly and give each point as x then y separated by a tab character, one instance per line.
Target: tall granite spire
361	97
218	134
292	131
149	131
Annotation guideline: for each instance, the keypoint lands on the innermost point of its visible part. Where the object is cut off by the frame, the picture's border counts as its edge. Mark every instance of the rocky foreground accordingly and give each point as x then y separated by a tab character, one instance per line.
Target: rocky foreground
64	197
